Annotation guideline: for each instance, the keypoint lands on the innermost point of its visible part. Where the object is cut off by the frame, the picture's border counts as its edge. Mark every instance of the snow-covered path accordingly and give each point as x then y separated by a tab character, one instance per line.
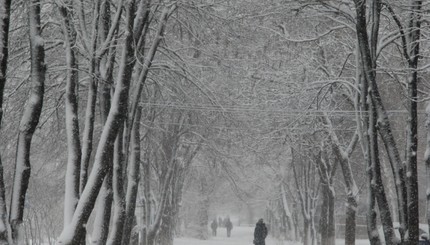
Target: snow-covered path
239	236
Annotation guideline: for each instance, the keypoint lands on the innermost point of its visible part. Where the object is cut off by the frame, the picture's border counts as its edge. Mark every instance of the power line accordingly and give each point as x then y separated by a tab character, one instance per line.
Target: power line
214	108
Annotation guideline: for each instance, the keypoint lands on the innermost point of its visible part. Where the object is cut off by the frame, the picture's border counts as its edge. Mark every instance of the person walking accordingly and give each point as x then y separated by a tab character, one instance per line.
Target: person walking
228	226
260	233
424	240
214	226
220	223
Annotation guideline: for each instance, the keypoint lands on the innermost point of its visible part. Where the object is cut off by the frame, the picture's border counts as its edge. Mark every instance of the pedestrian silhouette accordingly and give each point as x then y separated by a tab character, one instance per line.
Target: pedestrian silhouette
260	233
220	222
228	226
214	226
424	240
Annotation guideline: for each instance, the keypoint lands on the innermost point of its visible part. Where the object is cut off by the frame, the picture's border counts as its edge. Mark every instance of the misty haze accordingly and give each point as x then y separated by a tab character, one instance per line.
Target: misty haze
214	122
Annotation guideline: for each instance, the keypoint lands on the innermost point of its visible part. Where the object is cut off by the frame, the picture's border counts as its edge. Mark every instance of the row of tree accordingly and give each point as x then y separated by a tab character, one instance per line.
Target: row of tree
135	91
362	51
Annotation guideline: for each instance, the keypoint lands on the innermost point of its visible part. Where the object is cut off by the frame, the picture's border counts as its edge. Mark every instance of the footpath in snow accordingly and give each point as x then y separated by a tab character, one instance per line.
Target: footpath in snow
240	236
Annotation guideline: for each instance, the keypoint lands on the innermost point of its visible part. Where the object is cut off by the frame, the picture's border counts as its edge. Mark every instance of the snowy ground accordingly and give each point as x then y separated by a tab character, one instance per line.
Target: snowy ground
240	236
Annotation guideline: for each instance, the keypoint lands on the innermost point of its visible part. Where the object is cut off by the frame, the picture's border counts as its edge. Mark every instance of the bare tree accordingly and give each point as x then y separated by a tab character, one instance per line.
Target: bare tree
307	187
30	118
72	119
4	54
115	118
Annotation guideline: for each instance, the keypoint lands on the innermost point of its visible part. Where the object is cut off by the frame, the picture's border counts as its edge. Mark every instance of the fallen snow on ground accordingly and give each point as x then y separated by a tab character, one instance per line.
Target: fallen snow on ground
241	236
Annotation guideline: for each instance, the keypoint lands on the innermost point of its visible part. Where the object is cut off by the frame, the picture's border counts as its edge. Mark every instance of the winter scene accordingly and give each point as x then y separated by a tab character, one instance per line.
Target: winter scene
214	122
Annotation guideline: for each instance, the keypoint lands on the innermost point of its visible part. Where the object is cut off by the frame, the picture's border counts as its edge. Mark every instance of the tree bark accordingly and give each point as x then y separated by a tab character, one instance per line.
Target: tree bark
133	180
104	205
326	171
118	193
71	195
143	72
4	49
70	234
30	119
368	56
378	117
351	188
427	161
94	72
412	125
87	140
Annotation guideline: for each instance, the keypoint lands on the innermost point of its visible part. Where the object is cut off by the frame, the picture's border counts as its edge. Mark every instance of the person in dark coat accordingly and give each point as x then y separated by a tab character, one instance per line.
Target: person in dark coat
228	226
424	240
260	233
220	223
214	226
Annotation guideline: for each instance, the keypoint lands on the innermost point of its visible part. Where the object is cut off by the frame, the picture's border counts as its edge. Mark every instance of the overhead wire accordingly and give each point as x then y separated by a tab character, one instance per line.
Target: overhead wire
214	108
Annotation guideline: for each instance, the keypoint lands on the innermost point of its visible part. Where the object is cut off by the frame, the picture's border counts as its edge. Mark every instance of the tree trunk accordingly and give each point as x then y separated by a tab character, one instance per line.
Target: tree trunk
143	72
368	55
4	49
324	216
363	130
350	224
165	235
71	195
372	228
153	228
87	140
306	232
118	193
104	205
291	226
29	120
427	161
71	234
352	191
412	125
133	179
378	117
94	72
331	231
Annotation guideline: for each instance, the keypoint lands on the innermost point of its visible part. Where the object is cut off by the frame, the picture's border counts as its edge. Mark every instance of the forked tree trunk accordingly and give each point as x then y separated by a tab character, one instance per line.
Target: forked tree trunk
378	117
306	188
363	125
30	119
351	188
4	49
368	55
71	234
104	200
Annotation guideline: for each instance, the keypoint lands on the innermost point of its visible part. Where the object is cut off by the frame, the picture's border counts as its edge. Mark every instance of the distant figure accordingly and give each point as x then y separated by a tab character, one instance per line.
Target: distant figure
260	233
228	226
220	222
214	226
424	240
